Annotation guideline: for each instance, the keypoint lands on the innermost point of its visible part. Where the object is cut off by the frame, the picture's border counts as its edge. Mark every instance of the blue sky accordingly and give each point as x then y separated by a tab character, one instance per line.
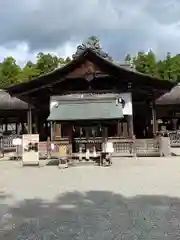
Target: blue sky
58	26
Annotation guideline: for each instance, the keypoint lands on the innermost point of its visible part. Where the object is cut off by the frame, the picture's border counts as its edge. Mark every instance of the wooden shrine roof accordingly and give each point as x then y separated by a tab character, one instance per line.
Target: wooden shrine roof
11	103
170	98
108	67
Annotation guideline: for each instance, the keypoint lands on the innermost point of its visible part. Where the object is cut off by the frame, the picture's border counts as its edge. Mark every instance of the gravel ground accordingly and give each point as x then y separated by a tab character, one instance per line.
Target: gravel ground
133	199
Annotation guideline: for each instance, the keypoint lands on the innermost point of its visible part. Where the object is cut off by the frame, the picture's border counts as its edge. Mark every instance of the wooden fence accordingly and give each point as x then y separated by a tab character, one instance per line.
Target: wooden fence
137	147
122	147
174	137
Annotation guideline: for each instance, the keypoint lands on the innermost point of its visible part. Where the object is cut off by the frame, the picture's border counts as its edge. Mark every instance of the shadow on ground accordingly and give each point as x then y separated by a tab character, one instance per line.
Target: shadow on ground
94	215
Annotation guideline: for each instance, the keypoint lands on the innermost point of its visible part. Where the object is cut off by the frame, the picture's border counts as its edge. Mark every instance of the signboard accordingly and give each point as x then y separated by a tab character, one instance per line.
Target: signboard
30	149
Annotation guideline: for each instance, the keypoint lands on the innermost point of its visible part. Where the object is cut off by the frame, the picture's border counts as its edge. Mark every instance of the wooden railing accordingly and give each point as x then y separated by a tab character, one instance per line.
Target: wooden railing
54	149
6	141
122	147
173	135
88	143
174	138
136	147
147	147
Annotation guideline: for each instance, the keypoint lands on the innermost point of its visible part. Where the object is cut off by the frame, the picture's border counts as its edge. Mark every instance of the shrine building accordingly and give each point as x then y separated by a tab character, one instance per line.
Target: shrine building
92	97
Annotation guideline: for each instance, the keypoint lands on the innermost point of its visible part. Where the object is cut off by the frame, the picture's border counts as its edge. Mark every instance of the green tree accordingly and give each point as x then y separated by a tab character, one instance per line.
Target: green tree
29	72
9	72
46	62
145	63
169	68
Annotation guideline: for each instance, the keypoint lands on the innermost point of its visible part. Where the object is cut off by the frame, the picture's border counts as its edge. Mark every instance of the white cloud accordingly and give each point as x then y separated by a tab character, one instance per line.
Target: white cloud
30	26
20	52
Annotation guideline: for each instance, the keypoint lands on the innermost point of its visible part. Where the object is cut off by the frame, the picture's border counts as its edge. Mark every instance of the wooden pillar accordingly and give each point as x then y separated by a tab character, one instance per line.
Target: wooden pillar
16	128
22	127
6	125
106	133
35	125
52	130
18	125
47	129
130	125
119	129
1	128
174	123
154	120
29	120
125	129
57	130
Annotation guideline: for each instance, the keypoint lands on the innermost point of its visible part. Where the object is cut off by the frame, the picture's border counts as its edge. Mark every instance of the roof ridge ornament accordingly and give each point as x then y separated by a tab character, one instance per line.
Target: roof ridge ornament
92	43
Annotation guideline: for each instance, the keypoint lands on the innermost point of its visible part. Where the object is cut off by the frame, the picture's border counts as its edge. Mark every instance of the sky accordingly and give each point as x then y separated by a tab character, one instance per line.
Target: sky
58	26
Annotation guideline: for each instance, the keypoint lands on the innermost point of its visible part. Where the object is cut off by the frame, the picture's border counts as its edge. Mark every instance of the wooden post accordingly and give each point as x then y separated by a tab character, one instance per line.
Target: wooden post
130	125
174	123
29	120
52	131
36	129
154	120
22	127
57	130
6	125
18	126
119	132
125	130
106	133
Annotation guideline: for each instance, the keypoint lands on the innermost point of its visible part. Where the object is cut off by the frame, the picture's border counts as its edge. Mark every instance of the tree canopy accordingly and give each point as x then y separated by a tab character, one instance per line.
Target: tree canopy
12	73
145	62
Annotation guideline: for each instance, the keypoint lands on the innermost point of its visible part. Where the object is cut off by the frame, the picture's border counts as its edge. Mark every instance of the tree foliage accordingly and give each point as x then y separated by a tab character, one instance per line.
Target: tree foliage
11	72
145	62
168	68
29	72
46	62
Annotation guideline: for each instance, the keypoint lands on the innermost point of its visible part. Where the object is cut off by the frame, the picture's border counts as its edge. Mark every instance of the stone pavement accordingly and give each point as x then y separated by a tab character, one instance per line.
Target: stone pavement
133	199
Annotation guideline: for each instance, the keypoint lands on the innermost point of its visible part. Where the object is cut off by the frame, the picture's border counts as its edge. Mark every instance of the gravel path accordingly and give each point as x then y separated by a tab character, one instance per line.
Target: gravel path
133	199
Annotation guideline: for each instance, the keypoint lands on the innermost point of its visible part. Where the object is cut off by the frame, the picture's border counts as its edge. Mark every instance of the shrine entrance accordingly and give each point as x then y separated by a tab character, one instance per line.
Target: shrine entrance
90	135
